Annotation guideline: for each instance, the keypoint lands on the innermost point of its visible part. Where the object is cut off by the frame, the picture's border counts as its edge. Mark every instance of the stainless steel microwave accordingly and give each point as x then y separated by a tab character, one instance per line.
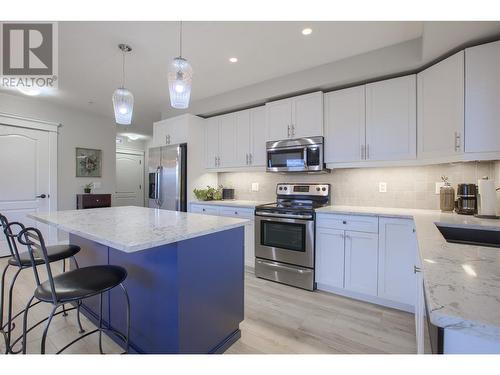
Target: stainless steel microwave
296	155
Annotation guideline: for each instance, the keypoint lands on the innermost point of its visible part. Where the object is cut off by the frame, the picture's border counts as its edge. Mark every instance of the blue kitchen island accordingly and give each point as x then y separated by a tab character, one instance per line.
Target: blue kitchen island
185	274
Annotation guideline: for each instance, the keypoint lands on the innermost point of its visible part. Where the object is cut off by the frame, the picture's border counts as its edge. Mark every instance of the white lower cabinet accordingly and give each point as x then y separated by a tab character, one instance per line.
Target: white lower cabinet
367	257
330	257
361	252
245	213
396	261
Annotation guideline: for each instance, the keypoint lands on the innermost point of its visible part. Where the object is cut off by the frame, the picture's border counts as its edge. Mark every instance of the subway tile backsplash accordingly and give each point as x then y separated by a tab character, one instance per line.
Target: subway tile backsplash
407	187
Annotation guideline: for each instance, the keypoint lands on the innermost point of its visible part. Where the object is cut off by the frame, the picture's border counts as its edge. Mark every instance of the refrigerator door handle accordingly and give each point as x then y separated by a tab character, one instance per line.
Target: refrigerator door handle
158	187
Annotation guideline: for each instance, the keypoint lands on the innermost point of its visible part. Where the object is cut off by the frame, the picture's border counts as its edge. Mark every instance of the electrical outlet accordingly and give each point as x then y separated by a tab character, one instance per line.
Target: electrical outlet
255	186
382	187
439	185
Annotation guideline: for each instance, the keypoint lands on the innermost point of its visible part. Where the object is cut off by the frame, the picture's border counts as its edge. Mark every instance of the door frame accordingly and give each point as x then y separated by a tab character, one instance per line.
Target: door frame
52	128
139	153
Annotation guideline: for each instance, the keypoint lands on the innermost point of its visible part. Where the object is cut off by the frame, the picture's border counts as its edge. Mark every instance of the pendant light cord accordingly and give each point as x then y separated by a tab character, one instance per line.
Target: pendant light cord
180	39
123	69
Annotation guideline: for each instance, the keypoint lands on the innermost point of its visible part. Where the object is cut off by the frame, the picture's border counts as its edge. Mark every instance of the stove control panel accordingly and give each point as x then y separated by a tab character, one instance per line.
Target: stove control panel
322	190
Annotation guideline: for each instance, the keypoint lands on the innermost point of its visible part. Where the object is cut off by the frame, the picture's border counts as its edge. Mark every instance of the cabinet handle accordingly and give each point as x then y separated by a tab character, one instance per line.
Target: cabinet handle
416	269
293	130
344	222
247	159
457	141
250	158
218	161
362	149
288	131
215	161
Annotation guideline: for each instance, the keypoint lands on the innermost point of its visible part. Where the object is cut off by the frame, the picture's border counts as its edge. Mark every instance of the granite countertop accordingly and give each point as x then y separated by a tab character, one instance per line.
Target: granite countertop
231	203
132	229
461	282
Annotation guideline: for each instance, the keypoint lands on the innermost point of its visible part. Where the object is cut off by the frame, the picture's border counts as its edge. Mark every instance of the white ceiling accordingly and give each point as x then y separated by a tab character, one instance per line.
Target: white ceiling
90	62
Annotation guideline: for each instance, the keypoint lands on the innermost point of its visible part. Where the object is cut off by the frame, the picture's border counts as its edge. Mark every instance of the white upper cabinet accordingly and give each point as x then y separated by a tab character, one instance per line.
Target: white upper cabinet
441	109
482	98
279	119
391	122
307	115
258	130
242	138
300	116
345	125
212	142
170	131
227	136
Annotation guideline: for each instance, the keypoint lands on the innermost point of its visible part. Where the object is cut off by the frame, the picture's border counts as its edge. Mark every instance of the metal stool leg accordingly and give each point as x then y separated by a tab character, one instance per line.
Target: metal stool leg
128	318
44	336
2	291
79	304
9	324
100	324
64	270
25	324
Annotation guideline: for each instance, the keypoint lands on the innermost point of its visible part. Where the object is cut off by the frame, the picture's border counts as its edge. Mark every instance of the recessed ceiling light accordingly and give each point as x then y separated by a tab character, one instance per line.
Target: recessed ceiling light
307	31
233	59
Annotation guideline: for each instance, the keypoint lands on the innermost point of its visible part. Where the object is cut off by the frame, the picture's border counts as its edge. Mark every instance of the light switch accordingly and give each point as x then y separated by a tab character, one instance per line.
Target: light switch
382	187
255	186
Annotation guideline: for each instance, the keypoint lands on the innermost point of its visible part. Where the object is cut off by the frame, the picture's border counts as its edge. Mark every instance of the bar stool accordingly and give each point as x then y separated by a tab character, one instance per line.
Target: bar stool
71	287
22	261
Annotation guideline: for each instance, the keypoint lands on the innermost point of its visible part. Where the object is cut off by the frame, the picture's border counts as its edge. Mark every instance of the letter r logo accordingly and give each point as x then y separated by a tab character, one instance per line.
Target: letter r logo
27	49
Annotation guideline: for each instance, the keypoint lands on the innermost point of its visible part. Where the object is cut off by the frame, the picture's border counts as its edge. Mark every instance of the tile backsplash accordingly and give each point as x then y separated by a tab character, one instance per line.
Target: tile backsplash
407	187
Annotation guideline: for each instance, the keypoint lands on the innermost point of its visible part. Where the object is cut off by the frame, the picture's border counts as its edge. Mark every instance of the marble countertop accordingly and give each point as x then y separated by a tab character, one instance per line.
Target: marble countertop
132	229
461	282
231	203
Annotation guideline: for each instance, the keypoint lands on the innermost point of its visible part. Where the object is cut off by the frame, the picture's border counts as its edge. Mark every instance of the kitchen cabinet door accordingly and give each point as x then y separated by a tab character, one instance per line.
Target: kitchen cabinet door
329	258
279	119
420	318
176	130
345	125
212	142
397	249
159	132
227	137
391	120
361	262
482	98
242	139
307	115
440	90
258	129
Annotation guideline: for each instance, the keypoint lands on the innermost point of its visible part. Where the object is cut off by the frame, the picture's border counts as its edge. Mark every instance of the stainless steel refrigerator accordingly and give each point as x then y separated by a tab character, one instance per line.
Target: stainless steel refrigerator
167	177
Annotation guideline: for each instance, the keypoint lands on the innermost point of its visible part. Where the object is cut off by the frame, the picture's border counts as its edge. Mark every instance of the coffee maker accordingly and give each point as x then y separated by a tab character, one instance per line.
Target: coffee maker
466	203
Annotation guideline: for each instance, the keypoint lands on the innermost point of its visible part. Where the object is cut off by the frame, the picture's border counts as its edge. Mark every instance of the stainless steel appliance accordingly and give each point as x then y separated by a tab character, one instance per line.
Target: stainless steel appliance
285	234
167	177
296	155
466	203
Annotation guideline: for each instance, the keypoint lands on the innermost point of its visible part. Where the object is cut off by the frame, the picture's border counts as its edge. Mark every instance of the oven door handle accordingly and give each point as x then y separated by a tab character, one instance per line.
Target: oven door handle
284	216
282	266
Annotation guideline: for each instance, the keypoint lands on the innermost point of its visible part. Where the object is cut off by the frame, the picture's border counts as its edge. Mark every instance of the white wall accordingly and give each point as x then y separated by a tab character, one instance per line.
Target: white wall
79	129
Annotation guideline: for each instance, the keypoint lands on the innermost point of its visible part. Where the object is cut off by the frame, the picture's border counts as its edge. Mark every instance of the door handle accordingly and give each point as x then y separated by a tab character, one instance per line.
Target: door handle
41	196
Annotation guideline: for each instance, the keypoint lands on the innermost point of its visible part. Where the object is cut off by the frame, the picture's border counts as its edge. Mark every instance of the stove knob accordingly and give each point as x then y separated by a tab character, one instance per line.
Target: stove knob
324	189
281	188
285	188
318	189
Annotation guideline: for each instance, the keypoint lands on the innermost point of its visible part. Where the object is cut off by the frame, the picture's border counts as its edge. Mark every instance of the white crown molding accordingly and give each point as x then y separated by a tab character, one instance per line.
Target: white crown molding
28	122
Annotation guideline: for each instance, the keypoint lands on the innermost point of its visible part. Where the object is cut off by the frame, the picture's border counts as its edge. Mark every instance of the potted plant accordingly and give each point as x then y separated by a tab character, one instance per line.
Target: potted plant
88	188
209	194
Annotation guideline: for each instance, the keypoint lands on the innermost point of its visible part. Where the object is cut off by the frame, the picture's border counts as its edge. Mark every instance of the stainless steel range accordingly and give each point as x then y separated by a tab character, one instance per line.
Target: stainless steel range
284	234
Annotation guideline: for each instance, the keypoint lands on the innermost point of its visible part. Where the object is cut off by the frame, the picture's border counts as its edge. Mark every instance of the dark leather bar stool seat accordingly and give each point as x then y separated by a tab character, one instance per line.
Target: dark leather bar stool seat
55	253
81	283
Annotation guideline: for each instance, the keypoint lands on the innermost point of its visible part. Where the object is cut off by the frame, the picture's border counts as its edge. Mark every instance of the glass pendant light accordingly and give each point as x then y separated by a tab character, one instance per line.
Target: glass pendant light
123	100
180	76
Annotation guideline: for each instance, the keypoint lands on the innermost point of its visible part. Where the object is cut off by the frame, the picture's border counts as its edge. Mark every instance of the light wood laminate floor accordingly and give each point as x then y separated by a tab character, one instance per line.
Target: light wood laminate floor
278	320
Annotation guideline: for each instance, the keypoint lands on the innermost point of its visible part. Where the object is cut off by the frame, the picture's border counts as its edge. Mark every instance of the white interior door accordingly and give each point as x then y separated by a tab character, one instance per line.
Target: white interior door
28	177
129	180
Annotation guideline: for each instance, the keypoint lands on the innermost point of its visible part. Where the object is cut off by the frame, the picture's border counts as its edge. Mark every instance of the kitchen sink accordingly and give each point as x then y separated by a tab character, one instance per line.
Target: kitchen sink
470	236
